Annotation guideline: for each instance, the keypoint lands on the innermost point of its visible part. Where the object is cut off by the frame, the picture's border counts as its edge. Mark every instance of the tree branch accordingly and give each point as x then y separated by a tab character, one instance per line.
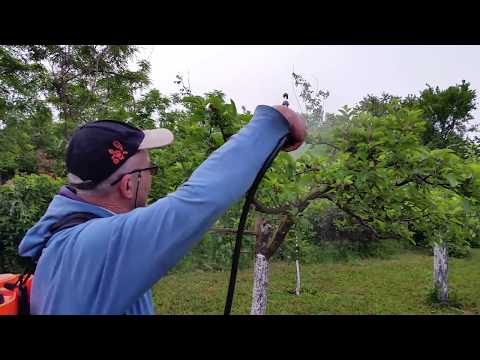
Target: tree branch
328	144
322	194
416	177
231	231
280	234
263	231
404	182
307	170
266	210
315	194
358	218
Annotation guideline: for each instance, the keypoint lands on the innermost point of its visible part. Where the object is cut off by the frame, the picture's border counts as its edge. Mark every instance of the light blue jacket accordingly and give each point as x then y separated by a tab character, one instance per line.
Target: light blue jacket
109	265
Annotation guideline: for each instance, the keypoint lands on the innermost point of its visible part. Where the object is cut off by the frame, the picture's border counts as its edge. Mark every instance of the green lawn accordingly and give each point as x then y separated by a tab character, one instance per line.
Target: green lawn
397	286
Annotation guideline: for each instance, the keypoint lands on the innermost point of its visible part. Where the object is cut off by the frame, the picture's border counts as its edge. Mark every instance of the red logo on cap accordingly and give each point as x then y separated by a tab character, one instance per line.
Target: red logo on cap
119	154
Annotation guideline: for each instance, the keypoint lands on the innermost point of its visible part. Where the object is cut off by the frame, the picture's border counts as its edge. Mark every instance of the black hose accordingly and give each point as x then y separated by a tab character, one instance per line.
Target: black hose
243	219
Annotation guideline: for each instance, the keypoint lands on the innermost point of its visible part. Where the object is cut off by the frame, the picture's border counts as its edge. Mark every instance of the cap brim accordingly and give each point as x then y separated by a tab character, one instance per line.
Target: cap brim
156	138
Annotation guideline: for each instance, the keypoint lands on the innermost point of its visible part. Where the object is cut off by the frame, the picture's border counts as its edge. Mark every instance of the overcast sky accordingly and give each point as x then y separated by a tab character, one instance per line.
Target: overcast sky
260	74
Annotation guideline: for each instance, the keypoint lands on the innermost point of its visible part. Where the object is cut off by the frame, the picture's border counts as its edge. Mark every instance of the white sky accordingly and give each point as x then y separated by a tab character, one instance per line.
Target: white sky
260	74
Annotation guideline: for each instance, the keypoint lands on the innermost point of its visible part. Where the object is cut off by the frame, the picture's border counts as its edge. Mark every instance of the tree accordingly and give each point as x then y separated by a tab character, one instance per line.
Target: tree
85	82
263	232
448	113
313	103
382	178
377	106
25	120
379	175
201	125
48	90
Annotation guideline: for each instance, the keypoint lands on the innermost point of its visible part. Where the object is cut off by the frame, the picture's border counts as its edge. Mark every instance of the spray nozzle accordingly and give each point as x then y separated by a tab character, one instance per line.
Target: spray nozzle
285	102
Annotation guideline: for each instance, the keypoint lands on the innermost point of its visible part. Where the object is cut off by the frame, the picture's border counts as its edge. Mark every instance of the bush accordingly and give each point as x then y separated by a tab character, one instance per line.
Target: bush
338	251
323	239
326	228
23	201
459	250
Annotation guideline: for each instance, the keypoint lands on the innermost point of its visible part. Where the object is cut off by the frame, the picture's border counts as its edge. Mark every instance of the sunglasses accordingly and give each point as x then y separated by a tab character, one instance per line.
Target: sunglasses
153	171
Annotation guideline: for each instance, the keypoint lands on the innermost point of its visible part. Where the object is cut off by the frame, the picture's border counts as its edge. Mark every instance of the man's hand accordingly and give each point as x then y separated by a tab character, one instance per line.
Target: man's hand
298	130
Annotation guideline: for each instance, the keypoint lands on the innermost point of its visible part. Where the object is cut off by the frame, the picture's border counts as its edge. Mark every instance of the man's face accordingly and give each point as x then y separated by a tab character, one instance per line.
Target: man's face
145	179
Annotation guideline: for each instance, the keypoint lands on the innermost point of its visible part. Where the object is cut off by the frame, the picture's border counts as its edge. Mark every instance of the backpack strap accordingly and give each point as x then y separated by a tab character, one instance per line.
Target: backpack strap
69	221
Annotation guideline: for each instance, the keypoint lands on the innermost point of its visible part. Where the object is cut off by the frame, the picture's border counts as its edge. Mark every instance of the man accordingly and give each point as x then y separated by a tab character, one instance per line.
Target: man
108	265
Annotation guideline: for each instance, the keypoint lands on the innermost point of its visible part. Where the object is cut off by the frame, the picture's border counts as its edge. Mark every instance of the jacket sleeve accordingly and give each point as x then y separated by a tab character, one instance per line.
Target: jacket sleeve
144	244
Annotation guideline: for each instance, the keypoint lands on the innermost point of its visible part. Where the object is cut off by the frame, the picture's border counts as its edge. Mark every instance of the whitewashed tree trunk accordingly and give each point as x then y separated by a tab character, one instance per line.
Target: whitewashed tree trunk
297	266
297	288
440	271
260	286
260	276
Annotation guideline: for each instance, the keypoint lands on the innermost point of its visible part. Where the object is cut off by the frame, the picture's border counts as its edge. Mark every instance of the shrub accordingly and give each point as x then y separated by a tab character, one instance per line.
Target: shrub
23	200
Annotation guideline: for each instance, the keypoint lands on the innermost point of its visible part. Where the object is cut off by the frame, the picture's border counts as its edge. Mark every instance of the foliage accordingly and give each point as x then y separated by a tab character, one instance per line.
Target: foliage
85	82
197	129
389	170
313	101
380	176
23	200
46	91
447	114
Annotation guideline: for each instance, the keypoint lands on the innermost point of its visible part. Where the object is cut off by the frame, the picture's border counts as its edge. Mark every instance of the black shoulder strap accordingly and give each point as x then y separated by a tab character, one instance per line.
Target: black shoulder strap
69	221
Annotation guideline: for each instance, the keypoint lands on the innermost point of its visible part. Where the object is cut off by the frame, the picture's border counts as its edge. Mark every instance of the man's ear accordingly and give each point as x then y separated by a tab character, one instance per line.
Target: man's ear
126	186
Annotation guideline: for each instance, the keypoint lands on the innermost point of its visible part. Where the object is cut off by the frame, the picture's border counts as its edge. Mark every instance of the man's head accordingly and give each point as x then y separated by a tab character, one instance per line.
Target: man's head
108	163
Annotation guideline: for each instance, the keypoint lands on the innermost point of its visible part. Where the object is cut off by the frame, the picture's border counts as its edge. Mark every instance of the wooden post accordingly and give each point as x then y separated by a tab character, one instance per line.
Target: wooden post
440	271
260	276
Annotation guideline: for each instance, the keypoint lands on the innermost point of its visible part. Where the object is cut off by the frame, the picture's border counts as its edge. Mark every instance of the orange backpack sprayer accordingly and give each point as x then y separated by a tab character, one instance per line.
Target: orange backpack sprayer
15	294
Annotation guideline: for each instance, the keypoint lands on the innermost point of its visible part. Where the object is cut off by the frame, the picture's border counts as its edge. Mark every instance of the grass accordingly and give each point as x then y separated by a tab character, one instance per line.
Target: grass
401	285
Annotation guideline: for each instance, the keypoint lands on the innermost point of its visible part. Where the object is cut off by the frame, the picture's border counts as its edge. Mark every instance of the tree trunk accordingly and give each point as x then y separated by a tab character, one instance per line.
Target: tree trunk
440	271
297	266
260	276
297	289
282	231
260	286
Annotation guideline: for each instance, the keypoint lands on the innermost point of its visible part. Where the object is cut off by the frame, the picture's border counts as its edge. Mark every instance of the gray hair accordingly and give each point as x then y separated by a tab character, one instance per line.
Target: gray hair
103	188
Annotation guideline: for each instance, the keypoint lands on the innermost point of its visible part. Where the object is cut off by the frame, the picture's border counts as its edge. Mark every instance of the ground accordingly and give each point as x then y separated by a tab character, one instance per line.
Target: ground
400	285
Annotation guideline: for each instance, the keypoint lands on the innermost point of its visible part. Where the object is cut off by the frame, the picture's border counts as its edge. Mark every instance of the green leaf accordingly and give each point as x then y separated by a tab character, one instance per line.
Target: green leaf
451	180
466	204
